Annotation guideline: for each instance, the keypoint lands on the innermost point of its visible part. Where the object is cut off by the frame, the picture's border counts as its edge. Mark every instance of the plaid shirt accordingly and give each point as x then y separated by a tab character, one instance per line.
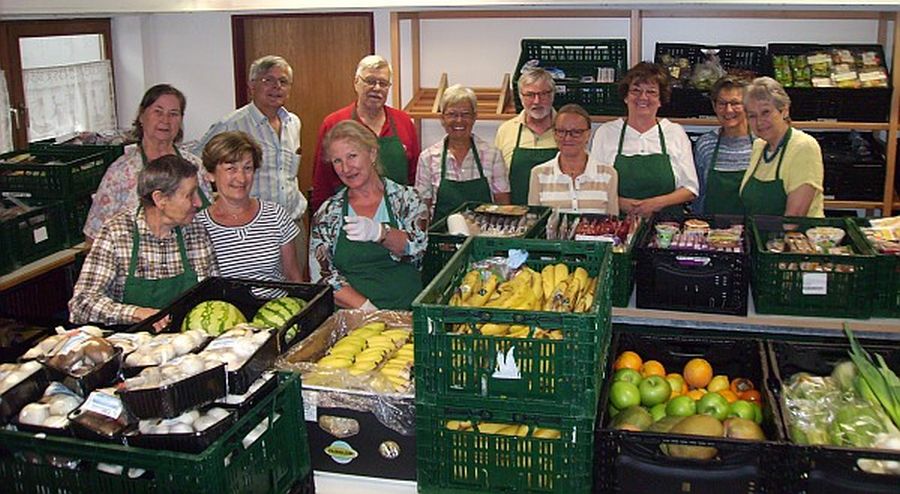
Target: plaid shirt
101	285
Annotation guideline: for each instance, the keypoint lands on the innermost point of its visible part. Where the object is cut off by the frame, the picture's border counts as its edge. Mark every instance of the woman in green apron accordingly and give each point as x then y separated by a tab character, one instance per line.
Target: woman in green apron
786	174
143	259
368	239
653	157
474	171
722	155
158	131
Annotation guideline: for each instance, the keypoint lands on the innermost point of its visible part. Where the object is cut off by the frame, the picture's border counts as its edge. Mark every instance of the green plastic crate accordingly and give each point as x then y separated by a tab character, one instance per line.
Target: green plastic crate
555	376
273	463
442	245
461	462
779	285
887	280
58	174
32	235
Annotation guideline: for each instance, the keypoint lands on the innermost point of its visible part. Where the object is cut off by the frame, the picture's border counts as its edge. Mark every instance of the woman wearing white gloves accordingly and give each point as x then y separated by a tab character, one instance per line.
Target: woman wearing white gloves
368	239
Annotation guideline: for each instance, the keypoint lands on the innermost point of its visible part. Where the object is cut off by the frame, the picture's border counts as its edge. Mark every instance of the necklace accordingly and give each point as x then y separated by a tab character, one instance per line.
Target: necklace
781	144
233	216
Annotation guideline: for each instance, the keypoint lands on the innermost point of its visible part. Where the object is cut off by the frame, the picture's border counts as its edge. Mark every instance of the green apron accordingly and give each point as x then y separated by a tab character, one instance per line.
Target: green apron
648	175
766	198
523	160
204	201
723	188
156	294
453	193
370	269
391	153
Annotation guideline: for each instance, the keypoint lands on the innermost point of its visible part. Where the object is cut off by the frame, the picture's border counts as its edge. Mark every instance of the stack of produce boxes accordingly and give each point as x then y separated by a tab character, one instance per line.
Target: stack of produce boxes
511	341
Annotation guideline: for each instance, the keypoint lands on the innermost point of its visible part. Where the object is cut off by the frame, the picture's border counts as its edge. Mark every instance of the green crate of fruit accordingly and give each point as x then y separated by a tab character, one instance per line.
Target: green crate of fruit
623	261
442	245
29	231
560	376
802	284
550	455
274	461
56	174
887	279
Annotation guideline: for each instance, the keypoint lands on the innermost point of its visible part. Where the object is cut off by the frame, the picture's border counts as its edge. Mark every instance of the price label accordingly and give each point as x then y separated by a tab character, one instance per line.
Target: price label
815	283
104	404
40	234
221	343
310	407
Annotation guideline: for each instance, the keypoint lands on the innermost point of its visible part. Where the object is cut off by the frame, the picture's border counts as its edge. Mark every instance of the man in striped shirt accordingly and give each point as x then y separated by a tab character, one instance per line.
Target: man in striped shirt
277	131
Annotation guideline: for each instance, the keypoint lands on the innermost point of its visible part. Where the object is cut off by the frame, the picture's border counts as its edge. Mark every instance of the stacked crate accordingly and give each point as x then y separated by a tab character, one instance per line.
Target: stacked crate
546	388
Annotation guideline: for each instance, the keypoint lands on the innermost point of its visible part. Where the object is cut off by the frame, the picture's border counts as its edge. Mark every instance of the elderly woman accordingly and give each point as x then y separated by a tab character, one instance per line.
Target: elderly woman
723	154
143	258
252	238
652	156
368	239
449	174
398	140
786	172
158	131
573	180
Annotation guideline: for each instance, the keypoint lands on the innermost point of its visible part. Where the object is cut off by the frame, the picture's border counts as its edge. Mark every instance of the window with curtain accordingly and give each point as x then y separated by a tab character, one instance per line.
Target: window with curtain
71	98
6	138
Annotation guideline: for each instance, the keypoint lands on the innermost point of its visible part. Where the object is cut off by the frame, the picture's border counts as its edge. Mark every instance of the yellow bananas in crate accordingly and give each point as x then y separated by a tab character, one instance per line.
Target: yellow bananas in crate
553	289
502	429
370	348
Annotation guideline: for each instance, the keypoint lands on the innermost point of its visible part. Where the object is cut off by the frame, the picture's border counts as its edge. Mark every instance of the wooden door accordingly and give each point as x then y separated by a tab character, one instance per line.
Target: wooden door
323	50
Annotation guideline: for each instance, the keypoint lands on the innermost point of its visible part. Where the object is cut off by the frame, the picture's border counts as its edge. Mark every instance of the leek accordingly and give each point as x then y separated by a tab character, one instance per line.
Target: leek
882	383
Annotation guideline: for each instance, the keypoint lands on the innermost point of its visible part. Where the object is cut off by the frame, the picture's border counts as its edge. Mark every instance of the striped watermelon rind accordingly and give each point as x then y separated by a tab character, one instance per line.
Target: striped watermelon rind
213	316
277	312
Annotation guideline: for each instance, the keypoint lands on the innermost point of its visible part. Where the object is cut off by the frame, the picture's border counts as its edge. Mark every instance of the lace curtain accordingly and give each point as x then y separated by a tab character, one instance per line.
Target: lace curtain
6	141
70	98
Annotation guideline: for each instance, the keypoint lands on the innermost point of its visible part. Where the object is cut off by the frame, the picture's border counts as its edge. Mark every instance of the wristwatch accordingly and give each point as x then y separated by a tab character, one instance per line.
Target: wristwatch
385	230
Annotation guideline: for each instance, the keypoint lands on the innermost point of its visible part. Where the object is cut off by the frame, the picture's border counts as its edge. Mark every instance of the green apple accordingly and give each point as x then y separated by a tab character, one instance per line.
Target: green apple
743	409
757	412
658	411
628	375
676	382
623	394
612	411
713	404
681	406
654	390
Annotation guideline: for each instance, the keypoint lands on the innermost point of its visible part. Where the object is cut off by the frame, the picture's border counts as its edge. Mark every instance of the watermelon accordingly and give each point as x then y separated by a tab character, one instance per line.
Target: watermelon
213	316
276	313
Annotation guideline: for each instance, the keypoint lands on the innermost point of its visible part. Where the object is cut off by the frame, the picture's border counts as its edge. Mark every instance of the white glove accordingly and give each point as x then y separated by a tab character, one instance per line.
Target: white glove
362	229
368	306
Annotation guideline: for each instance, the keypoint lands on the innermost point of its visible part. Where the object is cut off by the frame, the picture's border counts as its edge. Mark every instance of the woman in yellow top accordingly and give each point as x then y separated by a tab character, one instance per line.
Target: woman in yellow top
785	175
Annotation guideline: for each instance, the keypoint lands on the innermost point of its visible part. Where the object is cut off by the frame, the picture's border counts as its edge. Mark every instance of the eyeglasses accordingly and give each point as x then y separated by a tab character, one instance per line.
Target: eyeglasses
737	105
273	81
536	94
638	92
462	115
372	82
574	133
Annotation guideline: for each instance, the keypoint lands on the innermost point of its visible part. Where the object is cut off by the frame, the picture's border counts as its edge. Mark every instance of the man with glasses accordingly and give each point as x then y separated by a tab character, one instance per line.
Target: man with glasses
277	131
398	143
527	139
723	155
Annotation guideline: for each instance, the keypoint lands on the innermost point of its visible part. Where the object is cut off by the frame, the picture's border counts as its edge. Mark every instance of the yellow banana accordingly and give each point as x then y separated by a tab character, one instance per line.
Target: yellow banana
536	284
362	367
581	275
560	272
455	300
501	299
522	430
555	334
397	372
459	425
470	285
546	433
521	297
571	295
548	280
490	427
492	329
479	299
334	362
557	300
509	430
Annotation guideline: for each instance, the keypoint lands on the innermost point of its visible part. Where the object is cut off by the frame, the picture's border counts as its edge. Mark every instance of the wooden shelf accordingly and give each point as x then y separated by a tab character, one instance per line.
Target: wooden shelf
840	204
494	103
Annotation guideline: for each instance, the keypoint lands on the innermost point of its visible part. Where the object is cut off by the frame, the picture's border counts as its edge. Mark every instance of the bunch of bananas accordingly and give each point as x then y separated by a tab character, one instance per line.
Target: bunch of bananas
365	348
511	331
554	289
497	428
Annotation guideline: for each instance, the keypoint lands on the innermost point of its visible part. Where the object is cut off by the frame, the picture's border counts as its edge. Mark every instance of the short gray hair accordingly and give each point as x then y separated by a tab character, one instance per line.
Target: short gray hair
373	62
535	75
163	174
458	94
264	64
768	89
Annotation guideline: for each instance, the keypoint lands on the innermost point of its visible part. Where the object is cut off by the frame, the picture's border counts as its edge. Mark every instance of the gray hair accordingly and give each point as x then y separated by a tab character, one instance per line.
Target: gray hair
768	89
535	75
163	174
458	94
264	64
373	62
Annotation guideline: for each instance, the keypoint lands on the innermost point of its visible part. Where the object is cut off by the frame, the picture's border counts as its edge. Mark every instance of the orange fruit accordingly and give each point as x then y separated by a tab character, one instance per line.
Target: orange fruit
729	395
697	373
696	394
751	395
628	360
653	368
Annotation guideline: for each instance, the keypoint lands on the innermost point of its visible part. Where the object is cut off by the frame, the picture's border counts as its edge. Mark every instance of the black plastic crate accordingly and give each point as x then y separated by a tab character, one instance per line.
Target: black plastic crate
887	280
578	59
190	442
53	174
629	461
855	165
17	337
101	376
688	101
173	399
692	280
42	300
319	298
111	152
28	390
31	234
826	469
824	103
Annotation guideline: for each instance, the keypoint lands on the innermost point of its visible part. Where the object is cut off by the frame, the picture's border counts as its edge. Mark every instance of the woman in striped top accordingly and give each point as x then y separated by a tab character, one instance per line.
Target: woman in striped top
252	238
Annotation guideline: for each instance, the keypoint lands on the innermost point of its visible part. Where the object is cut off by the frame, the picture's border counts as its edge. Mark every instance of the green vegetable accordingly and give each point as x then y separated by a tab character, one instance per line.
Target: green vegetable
855	424
882	387
844	374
